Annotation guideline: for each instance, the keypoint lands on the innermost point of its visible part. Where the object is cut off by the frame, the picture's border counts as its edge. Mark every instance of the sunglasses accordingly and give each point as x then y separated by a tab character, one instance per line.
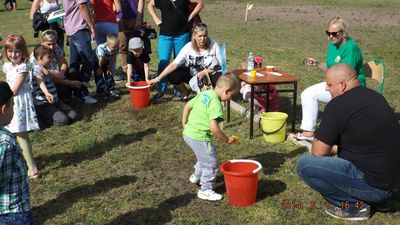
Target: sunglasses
334	34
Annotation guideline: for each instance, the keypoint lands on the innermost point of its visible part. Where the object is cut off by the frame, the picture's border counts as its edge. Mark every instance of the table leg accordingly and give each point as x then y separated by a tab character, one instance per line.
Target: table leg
294	105
251	110
267	108
228	112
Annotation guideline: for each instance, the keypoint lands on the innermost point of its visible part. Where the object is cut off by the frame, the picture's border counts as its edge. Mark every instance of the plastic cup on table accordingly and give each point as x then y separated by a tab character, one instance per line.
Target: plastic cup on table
253	74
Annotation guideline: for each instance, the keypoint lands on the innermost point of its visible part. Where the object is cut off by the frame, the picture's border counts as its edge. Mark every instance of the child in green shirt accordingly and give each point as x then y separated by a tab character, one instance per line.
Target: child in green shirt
200	119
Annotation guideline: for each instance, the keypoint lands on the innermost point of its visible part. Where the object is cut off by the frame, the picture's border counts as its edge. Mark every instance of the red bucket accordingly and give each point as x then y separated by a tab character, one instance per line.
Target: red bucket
241	180
140	94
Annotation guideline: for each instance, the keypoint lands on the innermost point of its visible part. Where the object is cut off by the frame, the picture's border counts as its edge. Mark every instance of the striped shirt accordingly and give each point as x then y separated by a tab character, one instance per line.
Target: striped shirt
38	96
14	187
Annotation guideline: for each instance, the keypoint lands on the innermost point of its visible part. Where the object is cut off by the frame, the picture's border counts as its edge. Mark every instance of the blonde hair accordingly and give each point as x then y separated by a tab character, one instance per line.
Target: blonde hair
341	23
17	42
230	81
49	35
199	27
112	37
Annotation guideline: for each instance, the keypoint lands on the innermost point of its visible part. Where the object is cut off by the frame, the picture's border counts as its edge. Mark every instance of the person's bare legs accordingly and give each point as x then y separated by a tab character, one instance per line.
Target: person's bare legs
26	146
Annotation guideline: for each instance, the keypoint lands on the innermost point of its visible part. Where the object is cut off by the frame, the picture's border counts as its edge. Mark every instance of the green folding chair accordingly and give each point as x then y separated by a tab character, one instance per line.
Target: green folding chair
375	69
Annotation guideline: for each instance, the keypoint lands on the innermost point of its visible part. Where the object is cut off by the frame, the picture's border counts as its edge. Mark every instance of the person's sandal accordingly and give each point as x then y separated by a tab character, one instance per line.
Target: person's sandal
299	136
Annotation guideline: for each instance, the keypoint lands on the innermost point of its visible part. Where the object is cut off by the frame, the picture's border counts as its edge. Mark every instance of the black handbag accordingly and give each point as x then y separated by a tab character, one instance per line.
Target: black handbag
39	21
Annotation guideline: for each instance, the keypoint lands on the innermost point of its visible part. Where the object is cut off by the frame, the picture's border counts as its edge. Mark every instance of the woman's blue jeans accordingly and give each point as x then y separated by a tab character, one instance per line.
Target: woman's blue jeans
166	46
339	182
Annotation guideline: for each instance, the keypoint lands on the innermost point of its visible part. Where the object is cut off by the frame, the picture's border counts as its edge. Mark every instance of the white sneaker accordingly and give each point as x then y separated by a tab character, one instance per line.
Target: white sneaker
193	179
209	195
89	100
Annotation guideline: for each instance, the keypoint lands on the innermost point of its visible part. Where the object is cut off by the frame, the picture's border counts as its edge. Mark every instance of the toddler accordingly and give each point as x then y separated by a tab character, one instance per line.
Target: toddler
200	119
137	61
25	119
50	110
106	55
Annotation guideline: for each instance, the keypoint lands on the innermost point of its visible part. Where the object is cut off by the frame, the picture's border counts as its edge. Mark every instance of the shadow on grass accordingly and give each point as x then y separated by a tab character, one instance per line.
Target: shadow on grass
95	151
271	161
65	200
154	216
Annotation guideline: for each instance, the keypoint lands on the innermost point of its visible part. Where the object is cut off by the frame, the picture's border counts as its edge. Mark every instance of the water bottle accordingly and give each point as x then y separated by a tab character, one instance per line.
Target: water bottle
250	62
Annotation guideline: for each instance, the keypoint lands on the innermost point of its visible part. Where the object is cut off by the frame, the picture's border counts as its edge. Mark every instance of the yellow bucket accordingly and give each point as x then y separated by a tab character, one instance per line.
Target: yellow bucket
273	126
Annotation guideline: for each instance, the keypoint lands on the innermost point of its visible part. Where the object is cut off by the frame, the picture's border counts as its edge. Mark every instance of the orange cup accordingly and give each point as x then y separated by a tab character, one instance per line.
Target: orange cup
270	68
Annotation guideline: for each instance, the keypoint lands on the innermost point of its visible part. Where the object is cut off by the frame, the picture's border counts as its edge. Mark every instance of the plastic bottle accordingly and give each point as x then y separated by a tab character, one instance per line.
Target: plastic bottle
250	62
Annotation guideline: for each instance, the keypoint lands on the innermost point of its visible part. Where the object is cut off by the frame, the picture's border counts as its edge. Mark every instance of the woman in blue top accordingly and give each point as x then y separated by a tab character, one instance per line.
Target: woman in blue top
341	49
174	30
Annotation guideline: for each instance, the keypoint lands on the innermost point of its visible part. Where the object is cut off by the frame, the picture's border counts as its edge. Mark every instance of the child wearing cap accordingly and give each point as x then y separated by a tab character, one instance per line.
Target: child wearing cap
137	62
14	187
105	56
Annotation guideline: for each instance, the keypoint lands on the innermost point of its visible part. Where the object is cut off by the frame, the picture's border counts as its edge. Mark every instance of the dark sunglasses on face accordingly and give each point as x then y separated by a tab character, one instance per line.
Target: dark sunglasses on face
334	34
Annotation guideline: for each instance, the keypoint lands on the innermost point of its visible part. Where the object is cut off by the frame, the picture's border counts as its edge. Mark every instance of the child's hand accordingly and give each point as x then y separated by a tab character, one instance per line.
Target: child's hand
50	98
98	71
128	84
109	71
44	70
231	140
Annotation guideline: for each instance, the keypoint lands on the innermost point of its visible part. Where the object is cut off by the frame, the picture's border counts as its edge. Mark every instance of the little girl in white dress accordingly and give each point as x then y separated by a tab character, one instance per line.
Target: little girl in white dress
17	75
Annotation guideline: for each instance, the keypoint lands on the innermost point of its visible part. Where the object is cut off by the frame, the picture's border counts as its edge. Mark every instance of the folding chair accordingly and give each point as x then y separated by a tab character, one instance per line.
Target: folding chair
375	69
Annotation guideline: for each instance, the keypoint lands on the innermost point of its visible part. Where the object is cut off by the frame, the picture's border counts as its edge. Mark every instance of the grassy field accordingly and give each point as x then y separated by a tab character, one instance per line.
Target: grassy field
118	165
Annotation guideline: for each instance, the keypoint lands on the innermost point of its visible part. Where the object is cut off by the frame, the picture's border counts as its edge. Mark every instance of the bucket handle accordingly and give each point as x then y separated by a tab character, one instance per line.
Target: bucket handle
138	87
248	160
273	132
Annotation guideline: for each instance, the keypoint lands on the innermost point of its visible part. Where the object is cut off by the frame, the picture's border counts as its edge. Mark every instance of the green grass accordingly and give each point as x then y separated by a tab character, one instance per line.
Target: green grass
119	165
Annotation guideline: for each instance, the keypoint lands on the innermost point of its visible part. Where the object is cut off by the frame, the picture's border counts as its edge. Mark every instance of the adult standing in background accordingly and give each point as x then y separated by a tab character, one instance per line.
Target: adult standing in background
48	6
174	31
130	18
341	49
105	20
80	29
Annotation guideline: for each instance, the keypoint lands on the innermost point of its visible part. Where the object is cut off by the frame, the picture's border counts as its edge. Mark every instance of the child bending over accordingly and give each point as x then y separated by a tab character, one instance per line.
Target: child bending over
106	55
200	119
137	62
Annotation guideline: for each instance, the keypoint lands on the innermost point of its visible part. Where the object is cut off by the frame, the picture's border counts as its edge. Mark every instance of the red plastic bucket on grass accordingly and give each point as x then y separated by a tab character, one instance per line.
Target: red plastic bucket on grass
241	180
140	94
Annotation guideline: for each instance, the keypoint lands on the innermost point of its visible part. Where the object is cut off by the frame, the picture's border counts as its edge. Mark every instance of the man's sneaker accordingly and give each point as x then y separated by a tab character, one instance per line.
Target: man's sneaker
381	207
193	179
209	195
89	100
114	94
336	212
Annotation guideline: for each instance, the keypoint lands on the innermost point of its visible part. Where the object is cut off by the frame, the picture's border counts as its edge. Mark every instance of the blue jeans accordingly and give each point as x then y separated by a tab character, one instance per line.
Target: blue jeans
23	218
104	83
102	29
81	53
166	46
339	182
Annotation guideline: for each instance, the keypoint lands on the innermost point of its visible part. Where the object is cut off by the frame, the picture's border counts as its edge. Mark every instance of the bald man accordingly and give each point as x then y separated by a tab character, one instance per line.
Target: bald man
360	127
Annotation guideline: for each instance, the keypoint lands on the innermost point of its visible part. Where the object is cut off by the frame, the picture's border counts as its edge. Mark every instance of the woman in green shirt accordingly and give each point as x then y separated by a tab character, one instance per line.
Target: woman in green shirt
341	49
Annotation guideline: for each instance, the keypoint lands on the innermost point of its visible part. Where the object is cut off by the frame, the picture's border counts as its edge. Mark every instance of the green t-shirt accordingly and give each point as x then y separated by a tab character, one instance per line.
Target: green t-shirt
206	106
350	54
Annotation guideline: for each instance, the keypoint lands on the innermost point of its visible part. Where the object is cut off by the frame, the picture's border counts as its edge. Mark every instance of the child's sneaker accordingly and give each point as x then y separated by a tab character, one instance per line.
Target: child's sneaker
193	179
114	94
209	195
89	100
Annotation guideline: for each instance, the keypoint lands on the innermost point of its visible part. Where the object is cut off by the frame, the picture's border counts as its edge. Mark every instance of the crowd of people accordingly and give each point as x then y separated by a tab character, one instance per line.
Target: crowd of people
38	83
